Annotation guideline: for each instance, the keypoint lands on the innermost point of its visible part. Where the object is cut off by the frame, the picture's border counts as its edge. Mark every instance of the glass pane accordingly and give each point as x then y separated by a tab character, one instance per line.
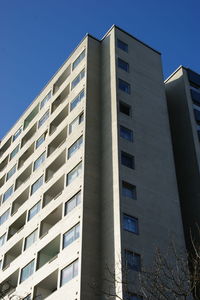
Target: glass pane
27	271
76	146
34	210
30	239
45	100
11	172
76	100
43	119
5	216
37	185
74	173
14	152
66	274
78	60
2	239
72	203
40	140
15	136
8	193
39	161
130	224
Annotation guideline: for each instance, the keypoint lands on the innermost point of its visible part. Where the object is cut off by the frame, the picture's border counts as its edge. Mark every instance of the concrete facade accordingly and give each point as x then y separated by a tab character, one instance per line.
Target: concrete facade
183	98
122	171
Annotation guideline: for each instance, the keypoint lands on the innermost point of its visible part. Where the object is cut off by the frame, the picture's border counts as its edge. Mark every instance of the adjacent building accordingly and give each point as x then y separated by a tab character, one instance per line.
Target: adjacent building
87	176
183	98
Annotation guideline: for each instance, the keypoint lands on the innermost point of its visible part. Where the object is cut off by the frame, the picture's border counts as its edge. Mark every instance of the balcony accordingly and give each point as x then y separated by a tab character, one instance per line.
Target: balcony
23	177
49	252
60	99
54	217
12	254
54	191
29	135
17	225
61	79
4	163
5	146
46	287
2	181
57	142
9	285
26	155
55	166
58	120
23	197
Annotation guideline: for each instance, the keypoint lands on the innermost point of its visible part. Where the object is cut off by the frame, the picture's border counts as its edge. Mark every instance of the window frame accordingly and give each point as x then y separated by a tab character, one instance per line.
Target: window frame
130	187
127	160
124	86
124	133
131	218
123	65
122	45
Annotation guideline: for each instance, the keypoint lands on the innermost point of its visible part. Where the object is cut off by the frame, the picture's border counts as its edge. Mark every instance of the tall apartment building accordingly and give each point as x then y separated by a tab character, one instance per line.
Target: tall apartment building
183	97
87	174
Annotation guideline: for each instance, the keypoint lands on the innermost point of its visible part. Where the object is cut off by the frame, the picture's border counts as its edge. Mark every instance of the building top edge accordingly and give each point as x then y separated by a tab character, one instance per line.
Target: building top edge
130	35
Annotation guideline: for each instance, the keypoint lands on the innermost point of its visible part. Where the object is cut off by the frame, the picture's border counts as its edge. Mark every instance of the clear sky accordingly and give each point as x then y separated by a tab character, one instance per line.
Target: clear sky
38	35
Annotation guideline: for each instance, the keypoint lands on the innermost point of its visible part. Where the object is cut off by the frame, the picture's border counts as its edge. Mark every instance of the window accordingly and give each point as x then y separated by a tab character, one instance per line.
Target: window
37	185
76	122
41	140
8	193
28	297
78	78
130	224
71	235
2	239
132	260
72	203
76	172
127	160
124	86
17	133
69	273
125	108
14	152
5	216
77	99
75	147
133	297
121	45
128	190
123	65
43	119
30	239
45	100
34	210
78	60
39	161
31	116
27	271
11	172
126	133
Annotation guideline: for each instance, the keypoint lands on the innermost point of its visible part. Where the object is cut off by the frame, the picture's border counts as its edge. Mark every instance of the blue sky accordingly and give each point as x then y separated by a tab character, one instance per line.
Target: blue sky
38	35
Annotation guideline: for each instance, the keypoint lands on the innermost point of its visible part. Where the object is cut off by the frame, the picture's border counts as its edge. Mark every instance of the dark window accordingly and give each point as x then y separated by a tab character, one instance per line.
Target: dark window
130	296
124	86
125	108
132	260
123	65
127	160
197	116
128	190
130	224
121	45
126	133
